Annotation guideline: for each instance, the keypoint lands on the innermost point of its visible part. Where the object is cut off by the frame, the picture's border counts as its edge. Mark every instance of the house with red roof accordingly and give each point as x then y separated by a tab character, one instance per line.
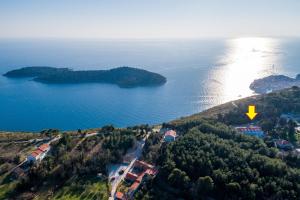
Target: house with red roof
39	153
44	147
119	196
131	176
151	172
143	165
138	174
251	130
170	136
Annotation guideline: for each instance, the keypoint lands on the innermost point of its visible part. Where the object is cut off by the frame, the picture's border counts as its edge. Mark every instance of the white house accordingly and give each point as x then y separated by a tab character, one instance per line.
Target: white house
39	154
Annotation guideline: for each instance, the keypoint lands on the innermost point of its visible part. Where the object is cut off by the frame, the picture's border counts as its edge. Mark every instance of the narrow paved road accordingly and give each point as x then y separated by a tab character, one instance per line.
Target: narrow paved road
118	180
137	154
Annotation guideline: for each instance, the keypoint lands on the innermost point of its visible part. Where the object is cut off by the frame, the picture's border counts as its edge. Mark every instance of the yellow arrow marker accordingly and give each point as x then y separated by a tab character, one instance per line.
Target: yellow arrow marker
251	112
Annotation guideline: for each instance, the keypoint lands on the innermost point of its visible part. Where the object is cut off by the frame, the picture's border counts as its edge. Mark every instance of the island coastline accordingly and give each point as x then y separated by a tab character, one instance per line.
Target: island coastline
124	77
274	83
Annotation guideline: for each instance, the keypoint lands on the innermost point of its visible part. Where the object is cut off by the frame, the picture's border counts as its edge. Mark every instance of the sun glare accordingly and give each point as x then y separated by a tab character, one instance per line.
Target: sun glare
246	59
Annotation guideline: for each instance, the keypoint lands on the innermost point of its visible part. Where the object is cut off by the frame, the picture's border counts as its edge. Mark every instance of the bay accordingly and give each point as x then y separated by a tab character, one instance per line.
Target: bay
201	74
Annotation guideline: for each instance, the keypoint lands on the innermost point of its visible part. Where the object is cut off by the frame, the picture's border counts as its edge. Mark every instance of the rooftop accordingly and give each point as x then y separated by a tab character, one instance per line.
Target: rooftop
36	153
119	195
44	147
142	164
134	186
131	176
251	130
171	133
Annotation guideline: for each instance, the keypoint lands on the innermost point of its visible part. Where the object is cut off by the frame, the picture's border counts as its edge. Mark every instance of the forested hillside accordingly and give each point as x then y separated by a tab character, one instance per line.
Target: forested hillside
71	169
210	159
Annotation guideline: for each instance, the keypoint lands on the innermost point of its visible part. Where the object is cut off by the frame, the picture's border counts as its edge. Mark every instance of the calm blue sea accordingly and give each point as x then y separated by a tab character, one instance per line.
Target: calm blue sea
200	73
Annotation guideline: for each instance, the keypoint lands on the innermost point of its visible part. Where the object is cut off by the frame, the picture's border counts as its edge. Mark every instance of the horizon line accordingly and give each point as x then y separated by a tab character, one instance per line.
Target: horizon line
146	38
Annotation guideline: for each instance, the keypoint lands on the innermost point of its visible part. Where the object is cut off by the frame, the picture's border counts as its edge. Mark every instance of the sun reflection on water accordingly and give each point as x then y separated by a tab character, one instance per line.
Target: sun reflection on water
246	60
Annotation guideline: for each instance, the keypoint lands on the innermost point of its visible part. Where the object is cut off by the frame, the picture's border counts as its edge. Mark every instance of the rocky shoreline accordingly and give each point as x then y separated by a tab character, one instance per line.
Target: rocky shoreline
274	83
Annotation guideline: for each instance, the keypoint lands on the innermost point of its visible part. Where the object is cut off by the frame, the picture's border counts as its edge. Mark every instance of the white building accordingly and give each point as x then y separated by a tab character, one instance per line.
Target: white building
39	154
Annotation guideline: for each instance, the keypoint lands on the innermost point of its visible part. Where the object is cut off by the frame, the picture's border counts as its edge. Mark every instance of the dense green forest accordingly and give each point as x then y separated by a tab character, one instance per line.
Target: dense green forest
211	160
122	76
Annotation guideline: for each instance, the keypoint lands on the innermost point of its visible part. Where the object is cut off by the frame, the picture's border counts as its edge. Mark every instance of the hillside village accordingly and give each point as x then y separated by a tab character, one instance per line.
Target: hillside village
138	172
133	172
128	163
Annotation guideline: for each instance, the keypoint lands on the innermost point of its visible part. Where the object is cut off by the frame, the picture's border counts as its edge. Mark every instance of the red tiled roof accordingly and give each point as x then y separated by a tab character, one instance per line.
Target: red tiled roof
36	153
171	133
143	164
151	172
44	147
119	195
249	129
140	178
131	176
134	186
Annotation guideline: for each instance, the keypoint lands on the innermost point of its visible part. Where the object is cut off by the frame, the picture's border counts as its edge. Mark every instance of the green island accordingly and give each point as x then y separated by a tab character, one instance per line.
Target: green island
274	83
125	77
208	159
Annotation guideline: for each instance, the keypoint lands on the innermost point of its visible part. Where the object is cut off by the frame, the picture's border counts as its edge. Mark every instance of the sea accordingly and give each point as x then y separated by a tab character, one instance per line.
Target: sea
201	73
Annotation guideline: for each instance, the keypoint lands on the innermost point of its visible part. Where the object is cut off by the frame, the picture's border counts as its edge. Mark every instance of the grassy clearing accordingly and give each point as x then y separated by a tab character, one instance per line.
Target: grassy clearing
17	136
87	189
9	151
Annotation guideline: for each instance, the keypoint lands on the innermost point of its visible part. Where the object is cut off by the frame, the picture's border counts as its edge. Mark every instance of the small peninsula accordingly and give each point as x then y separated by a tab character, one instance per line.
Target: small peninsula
274	83
124	77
